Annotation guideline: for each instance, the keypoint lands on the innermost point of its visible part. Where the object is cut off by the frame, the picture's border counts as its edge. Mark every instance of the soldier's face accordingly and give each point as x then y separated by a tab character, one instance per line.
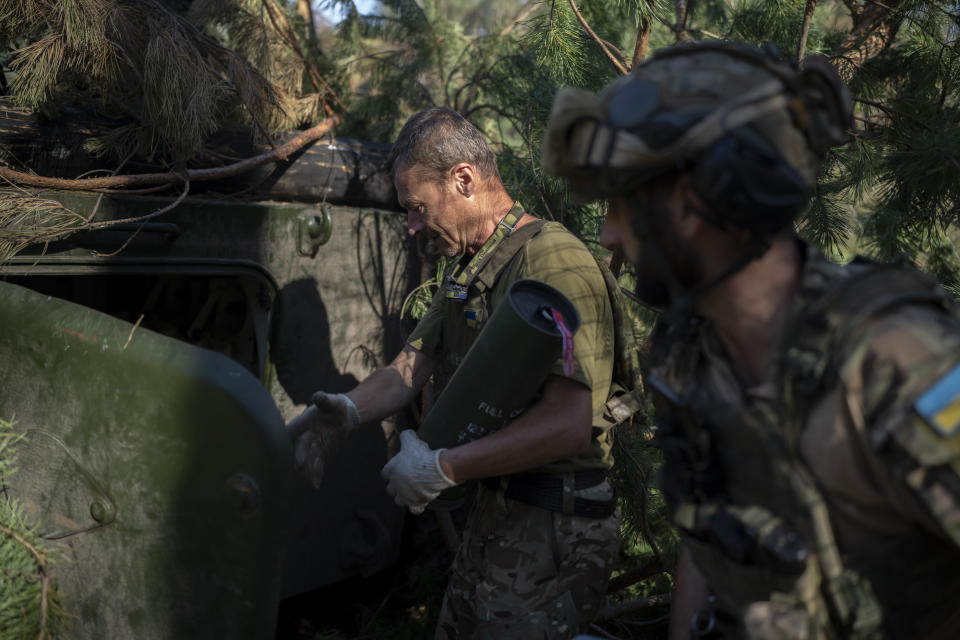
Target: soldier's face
662	259
617	233
434	209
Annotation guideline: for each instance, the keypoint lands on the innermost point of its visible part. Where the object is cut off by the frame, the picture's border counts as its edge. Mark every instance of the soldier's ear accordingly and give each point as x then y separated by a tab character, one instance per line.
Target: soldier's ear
464	179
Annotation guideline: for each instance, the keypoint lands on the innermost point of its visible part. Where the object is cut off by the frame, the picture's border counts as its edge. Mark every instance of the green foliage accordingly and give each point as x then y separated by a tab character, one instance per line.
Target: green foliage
909	129
758	21
30	604
418	301
171	78
645	524
559	45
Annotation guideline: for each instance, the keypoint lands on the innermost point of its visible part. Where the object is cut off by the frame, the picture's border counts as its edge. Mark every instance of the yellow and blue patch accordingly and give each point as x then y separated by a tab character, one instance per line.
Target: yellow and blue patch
471	317
940	404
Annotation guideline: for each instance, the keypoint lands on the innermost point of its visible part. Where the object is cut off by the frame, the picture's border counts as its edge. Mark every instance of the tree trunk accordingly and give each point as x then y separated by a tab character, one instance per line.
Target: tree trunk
875	26
305	11
682	27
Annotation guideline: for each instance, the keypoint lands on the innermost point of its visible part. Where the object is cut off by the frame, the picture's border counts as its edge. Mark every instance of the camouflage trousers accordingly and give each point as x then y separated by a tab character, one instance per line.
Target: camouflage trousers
523	572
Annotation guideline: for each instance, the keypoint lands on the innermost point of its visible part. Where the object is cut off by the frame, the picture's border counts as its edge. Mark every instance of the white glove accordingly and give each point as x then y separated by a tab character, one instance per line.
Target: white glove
414	477
319	431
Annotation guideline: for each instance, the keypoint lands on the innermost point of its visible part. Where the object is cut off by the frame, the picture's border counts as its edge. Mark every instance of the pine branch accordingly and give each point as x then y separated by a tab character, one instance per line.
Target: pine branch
805	29
168	70
643	38
603	47
635	575
286	32
30	603
911	117
525	11
44	578
682	26
615	50
52	221
92	226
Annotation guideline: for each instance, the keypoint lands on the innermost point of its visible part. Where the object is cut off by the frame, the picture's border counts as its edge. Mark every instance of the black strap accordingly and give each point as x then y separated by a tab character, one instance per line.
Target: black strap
545	490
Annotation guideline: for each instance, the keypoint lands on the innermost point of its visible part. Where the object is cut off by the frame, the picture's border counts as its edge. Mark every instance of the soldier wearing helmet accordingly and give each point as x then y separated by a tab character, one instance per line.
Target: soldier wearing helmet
809	413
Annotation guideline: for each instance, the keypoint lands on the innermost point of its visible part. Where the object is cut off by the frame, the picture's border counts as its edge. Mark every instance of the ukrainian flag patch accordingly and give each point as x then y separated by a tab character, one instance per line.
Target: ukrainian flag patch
940	404
471	316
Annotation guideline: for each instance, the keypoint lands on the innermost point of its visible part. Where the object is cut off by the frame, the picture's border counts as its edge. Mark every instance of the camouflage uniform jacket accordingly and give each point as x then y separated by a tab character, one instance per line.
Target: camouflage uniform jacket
866	407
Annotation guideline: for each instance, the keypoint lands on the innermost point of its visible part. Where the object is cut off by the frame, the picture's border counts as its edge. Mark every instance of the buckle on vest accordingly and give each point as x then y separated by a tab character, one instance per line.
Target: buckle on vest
509	227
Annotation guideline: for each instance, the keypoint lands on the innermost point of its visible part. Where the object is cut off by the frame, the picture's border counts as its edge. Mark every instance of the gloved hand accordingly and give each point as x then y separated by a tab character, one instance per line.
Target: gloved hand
319	430
414	476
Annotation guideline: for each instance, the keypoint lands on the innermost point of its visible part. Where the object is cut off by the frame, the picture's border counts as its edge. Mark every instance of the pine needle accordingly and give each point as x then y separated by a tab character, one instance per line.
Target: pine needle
31	607
26	219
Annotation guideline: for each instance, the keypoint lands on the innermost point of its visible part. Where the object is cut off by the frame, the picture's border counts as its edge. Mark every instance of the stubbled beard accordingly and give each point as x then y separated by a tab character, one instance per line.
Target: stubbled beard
664	260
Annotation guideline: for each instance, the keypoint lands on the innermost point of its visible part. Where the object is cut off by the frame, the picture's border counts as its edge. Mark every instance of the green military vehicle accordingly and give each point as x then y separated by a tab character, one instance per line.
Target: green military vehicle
152	367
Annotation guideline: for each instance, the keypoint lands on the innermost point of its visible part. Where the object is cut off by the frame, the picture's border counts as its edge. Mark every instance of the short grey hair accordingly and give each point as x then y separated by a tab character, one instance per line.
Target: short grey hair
436	139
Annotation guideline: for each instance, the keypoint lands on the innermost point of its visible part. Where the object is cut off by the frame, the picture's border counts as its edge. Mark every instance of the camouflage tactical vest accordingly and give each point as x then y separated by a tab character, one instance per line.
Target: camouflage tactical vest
471	282
750	510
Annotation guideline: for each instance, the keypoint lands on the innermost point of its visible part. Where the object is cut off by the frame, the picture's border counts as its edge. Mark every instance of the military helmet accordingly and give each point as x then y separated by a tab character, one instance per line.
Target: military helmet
750	129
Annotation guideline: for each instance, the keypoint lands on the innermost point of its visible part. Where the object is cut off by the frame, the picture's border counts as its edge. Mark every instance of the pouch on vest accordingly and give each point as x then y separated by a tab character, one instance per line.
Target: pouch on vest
626	390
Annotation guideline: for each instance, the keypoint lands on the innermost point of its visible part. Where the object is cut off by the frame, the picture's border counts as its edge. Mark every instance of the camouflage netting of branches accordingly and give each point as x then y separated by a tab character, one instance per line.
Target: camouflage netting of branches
170	73
25	219
176	76
30	605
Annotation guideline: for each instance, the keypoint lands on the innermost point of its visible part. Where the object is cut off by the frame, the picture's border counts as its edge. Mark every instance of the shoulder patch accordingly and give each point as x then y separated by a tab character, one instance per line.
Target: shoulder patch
940	404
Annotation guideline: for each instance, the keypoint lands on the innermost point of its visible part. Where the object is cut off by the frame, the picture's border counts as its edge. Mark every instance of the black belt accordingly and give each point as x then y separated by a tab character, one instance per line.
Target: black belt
546	490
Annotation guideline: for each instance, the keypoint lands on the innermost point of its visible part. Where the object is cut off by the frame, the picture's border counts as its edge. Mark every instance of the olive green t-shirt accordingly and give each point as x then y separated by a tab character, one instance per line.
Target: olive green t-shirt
555	257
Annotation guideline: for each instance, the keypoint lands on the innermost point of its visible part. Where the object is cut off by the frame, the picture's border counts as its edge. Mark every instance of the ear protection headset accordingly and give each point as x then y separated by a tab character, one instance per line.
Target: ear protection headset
748	183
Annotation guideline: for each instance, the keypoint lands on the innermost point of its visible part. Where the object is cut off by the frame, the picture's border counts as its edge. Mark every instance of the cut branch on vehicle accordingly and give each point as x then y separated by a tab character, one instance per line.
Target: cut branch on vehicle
146	179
